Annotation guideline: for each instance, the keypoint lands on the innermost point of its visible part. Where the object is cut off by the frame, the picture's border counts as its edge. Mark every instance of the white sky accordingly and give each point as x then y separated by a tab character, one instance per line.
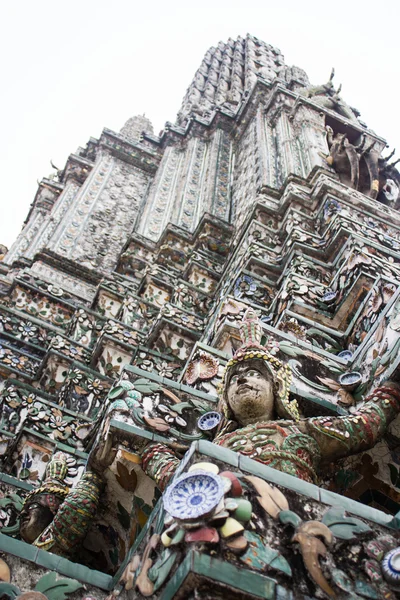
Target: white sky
71	68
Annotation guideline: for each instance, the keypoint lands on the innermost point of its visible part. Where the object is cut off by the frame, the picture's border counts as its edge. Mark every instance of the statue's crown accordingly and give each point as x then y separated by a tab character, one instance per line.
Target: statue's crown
53	488
251	348
57	467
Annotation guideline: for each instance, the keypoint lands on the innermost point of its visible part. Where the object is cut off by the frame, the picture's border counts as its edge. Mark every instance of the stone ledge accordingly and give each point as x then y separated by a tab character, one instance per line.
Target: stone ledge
53	562
297	485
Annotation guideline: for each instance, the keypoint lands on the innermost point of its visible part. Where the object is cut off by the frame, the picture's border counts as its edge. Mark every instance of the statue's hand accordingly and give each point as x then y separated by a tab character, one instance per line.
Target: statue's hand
102	455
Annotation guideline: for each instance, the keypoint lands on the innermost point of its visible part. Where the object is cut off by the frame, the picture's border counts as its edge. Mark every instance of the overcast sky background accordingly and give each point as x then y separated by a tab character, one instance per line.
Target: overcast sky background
71	68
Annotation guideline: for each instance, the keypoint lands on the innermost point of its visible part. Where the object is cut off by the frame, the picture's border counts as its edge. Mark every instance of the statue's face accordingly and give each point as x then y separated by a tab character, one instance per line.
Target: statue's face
34	519
250	393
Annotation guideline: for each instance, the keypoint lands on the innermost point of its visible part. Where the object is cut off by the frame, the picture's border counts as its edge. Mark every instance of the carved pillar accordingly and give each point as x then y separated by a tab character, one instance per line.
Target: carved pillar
159	202
309	129
246	173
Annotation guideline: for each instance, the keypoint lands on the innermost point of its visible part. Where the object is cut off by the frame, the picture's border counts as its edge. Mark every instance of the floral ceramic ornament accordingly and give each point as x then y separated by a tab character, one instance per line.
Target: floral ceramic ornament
244	286
209	420
201	512
205	367
193	495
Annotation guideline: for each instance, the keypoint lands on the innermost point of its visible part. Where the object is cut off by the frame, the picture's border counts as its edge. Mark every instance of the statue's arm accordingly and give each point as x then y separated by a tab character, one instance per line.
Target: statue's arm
74	517
160	463
78	510
342	436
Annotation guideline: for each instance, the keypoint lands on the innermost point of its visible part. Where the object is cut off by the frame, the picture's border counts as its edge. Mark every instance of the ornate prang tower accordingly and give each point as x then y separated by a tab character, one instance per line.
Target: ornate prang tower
226	293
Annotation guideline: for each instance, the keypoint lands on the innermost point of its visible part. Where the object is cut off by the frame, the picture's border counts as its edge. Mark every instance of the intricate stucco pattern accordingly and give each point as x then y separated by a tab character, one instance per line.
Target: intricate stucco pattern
189	182
159	201
36	231
103	214
246	177
229	72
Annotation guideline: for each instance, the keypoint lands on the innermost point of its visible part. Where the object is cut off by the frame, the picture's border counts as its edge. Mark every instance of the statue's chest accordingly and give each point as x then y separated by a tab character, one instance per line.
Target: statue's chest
253	442
284	448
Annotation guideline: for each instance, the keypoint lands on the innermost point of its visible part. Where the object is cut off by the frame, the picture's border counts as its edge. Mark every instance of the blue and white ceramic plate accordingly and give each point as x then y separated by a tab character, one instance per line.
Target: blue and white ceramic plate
391	567
193	495
209	420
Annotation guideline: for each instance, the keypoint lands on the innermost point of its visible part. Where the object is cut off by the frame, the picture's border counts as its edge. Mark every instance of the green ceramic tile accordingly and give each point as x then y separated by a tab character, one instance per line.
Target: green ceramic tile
213	351
368	512
355	508
84	574
140	373
23	485
160	439
170	383
39	435
48	560
235	577
121	426
74	451
279	478
7	434
218	452
198	393
179	577
18	548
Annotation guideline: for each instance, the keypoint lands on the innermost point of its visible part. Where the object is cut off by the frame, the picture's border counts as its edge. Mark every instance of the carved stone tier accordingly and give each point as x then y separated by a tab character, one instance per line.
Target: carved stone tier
261	539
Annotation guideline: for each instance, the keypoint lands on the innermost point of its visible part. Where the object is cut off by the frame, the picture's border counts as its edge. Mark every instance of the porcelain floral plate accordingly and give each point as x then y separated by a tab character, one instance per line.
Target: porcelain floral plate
193	495
209	420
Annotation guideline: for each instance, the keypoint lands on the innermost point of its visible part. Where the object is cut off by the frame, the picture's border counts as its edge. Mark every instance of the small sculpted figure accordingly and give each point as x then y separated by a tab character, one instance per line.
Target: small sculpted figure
345	158
57	518
42	504
261	422
325	95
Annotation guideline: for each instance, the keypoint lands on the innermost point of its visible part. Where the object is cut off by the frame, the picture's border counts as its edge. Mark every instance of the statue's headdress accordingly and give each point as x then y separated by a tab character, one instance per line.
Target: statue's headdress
251	349
53	490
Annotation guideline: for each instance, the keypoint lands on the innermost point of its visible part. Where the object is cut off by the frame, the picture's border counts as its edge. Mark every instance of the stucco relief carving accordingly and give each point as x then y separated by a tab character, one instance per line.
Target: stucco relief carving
103	214
33	233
